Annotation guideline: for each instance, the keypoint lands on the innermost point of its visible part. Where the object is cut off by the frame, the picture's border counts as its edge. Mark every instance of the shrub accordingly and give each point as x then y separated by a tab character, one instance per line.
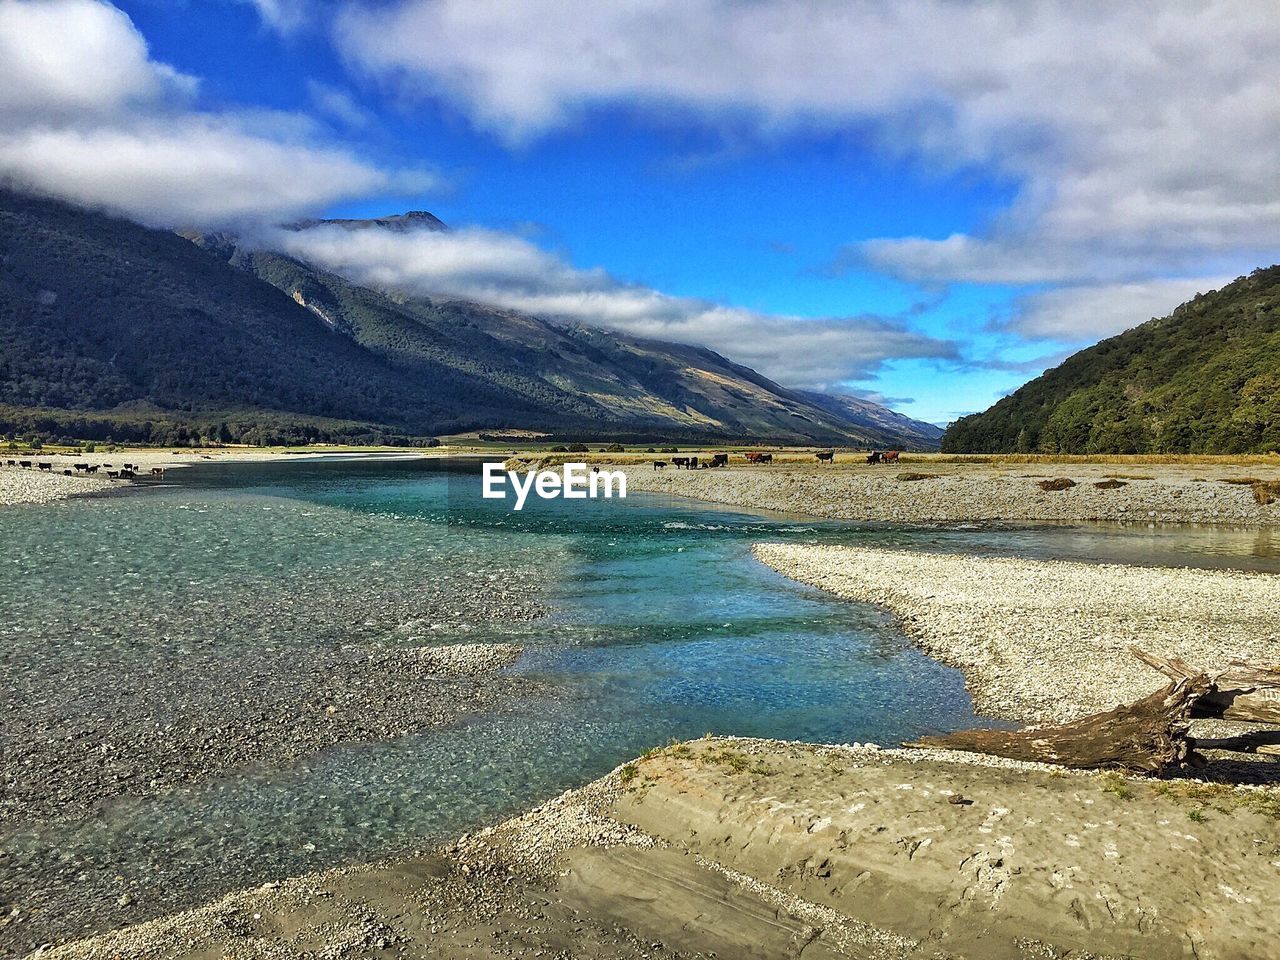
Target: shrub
1061	483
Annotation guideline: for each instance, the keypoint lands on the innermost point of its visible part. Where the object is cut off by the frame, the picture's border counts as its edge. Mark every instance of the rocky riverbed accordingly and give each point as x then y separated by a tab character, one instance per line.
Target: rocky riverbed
749	848
927	490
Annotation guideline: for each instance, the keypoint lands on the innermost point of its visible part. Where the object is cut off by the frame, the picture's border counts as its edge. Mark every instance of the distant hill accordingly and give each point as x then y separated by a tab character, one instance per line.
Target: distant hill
1205	379
108	328
883	427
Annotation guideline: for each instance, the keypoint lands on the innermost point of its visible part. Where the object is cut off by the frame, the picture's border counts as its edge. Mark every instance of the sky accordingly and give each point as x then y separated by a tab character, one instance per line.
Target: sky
927	202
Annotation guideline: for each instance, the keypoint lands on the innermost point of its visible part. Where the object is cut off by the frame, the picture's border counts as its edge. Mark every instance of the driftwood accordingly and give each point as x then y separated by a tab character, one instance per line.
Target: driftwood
1241	691
1151	734
1146	736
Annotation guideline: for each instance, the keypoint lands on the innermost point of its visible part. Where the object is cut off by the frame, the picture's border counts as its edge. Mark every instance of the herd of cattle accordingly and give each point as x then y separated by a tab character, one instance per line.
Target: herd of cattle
722	459
127	471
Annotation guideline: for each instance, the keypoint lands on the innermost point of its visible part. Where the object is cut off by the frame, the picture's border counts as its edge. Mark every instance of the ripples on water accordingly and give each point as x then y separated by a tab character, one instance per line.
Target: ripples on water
662	626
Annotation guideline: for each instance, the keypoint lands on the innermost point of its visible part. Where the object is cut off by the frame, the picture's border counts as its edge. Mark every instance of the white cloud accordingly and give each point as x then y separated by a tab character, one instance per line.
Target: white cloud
76	58
509	271
86	114
1093	312
284	16
1144	138
338	104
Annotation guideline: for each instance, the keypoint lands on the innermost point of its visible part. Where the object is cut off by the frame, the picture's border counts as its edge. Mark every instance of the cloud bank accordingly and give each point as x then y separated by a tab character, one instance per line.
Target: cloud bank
1144	138
87	114
509	271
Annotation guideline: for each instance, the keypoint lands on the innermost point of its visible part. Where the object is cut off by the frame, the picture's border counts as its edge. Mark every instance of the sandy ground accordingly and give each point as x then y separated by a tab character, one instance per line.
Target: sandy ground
978	491
746	849
1047	640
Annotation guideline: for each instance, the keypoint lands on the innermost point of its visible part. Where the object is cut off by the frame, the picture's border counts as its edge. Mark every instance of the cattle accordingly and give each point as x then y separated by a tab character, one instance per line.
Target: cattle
66	473
693	463
24	463
874	456
157	472
92	469
659	464
720	460
757	457
892	456
11	463
826	456
113	474
81	466
680	462
45	466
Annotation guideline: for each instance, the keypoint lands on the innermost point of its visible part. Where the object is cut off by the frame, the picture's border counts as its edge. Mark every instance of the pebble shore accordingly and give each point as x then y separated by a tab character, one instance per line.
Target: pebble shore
19	486
1046	641
944	492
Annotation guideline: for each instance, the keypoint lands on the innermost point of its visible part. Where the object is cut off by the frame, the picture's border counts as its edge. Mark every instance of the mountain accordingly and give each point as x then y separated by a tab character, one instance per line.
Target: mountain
108	328
880	426
399	223
1205	379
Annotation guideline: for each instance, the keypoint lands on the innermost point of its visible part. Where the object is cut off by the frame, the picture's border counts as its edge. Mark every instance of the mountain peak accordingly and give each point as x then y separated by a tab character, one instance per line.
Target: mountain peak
396	223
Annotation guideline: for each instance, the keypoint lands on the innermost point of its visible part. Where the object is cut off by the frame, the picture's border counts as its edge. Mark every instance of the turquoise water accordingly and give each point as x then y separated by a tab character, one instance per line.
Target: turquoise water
660	625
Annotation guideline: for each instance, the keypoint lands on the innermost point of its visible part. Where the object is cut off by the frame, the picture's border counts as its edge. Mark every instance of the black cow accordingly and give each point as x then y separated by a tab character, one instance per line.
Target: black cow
659	464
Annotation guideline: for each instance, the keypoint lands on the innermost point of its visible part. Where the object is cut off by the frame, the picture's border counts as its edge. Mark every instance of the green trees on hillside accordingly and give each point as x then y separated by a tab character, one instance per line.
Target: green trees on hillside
1205	379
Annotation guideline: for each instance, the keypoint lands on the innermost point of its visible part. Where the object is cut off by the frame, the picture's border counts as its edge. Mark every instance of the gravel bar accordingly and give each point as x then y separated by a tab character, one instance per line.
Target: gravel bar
1047	640
942	492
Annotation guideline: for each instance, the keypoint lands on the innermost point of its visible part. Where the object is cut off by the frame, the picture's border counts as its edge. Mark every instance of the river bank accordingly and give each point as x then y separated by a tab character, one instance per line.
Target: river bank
1047	641
748	848
31	485
935	490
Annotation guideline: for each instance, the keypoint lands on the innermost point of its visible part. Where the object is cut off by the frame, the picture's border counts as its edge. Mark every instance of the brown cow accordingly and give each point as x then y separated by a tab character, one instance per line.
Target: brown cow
157	471
892	456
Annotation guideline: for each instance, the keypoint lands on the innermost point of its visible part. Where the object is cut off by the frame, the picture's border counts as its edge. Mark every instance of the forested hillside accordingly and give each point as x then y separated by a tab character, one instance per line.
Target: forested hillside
1205	379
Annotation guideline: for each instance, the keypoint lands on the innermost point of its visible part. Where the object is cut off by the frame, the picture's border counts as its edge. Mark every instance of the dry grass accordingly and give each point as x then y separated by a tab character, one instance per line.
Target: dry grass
908	477
1266	491
1110	484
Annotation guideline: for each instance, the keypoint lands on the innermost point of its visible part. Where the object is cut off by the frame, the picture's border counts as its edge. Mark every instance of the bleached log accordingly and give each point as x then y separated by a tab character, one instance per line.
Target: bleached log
1147	736
1240	691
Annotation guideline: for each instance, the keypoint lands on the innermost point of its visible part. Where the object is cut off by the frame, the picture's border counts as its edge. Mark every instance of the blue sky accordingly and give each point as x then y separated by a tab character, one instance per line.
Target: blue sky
929	204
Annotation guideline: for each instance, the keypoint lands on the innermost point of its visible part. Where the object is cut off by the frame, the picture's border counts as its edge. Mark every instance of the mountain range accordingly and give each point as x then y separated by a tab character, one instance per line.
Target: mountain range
110	328
1205	379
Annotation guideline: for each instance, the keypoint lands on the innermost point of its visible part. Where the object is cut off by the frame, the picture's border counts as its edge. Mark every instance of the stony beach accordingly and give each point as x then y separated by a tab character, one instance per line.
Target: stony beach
1047	641
929	489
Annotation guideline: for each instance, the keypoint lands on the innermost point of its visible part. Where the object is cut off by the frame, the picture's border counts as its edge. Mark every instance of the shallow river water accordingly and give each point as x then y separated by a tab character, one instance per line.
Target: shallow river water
660	626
